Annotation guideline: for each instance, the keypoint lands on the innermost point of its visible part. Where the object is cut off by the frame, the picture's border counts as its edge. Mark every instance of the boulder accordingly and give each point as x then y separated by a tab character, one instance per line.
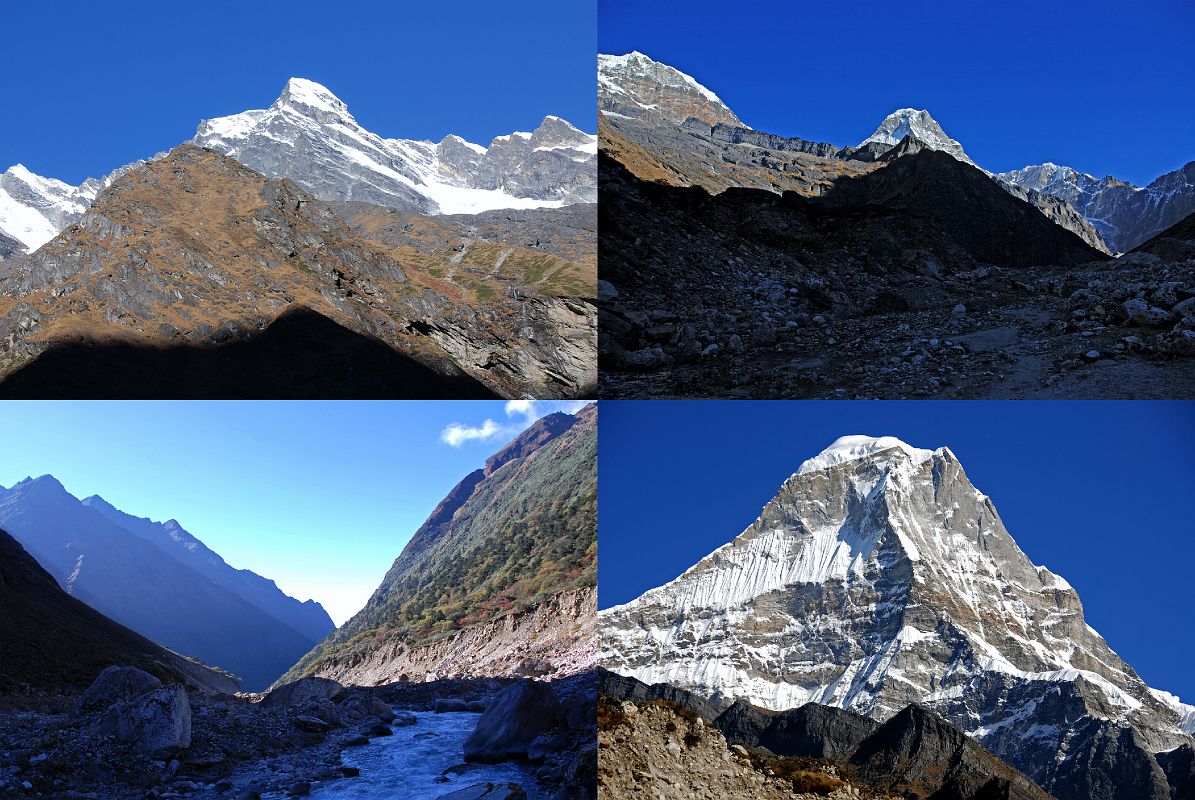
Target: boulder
113	685
517	715
487	791
311	724
445	705
404	718
158	722
301	691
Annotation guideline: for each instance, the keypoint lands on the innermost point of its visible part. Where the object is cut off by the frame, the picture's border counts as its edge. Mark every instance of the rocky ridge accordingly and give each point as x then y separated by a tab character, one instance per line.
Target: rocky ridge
195	250
869	582
813	751
1125	215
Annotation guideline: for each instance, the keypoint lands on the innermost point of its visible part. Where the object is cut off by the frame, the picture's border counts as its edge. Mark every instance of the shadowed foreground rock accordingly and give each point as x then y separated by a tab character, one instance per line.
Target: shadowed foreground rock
516	717
303	354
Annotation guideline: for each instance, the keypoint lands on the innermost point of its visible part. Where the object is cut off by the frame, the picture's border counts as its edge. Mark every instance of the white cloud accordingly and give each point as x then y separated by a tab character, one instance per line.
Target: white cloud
457	434
520	413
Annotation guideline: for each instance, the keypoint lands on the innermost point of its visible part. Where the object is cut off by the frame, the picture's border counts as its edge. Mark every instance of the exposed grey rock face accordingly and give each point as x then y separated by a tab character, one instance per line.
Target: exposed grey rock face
301	691
635	86
880	577
309	136
1125	215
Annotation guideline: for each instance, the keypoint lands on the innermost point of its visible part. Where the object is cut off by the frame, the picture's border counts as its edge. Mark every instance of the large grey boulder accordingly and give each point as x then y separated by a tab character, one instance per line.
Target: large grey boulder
157	722
301	691
113	685
517	715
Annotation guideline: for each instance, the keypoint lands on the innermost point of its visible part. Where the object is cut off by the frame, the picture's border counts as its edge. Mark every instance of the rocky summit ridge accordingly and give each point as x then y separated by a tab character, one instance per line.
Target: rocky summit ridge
309	136
879	576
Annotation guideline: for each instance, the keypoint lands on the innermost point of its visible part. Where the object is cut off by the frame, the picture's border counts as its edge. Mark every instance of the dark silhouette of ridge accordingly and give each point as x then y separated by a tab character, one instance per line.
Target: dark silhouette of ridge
49	639
301	355
1176	242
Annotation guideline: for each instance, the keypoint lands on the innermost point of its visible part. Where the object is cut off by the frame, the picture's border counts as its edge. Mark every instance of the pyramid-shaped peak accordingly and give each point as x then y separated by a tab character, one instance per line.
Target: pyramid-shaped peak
855	447
301	93
919	124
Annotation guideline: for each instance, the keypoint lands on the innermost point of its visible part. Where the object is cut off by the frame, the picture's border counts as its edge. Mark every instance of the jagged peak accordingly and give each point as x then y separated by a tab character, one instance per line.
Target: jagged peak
919	124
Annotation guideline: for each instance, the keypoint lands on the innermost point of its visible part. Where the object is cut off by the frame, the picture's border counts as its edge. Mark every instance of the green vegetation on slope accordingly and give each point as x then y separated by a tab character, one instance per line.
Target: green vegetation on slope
527	532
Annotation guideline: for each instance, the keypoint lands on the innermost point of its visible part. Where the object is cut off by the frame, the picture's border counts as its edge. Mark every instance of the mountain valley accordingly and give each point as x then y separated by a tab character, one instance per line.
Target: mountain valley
736	263
469	673
879	580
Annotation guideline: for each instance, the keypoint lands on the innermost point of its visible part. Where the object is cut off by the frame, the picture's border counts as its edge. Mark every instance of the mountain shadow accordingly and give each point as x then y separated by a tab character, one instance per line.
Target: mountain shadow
301	355
48	639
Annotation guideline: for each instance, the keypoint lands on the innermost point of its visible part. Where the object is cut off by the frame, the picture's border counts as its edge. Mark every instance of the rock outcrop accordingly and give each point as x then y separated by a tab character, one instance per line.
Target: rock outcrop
158	723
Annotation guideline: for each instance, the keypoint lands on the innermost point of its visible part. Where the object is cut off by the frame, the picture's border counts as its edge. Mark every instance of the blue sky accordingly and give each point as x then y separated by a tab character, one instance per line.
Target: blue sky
1106	86
88	87
1099	492
320	497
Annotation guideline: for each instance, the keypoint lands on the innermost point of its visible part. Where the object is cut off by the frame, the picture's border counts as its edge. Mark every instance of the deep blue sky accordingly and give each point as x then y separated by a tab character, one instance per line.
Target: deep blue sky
87	87
1105	86
320	497
1099	492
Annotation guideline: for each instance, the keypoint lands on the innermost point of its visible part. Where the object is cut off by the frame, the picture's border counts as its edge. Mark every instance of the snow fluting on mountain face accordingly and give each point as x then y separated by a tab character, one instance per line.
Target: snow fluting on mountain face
877	577
309	136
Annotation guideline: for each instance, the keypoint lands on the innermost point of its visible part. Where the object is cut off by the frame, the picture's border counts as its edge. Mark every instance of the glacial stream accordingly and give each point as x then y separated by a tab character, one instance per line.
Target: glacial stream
407	764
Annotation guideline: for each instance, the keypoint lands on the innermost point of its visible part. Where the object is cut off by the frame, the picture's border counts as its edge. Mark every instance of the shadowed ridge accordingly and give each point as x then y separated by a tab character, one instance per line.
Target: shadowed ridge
301	355
50	639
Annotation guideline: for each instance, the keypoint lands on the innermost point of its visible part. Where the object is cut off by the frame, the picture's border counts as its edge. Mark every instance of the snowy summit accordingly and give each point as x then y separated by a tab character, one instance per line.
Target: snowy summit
851	448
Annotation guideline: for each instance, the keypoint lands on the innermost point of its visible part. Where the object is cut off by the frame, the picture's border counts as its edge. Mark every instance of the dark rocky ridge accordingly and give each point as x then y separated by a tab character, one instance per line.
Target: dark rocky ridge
750	294
50	640
915	754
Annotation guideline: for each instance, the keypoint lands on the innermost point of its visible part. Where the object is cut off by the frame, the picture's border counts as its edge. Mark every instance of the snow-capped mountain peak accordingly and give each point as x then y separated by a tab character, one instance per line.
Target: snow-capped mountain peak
849	448
880	576
309	135
33	209
917	123
633	85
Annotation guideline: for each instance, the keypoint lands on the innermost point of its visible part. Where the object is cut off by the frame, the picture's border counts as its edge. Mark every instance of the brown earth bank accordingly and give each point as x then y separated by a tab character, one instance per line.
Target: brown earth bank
182	256
120	739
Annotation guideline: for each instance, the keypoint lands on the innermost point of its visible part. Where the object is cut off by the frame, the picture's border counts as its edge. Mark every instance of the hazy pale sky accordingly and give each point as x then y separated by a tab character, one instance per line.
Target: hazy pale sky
318	496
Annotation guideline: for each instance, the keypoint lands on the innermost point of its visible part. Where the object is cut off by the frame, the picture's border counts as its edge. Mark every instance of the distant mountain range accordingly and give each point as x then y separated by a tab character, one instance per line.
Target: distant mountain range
1118	215
162	582
500	579
309	136
880	577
